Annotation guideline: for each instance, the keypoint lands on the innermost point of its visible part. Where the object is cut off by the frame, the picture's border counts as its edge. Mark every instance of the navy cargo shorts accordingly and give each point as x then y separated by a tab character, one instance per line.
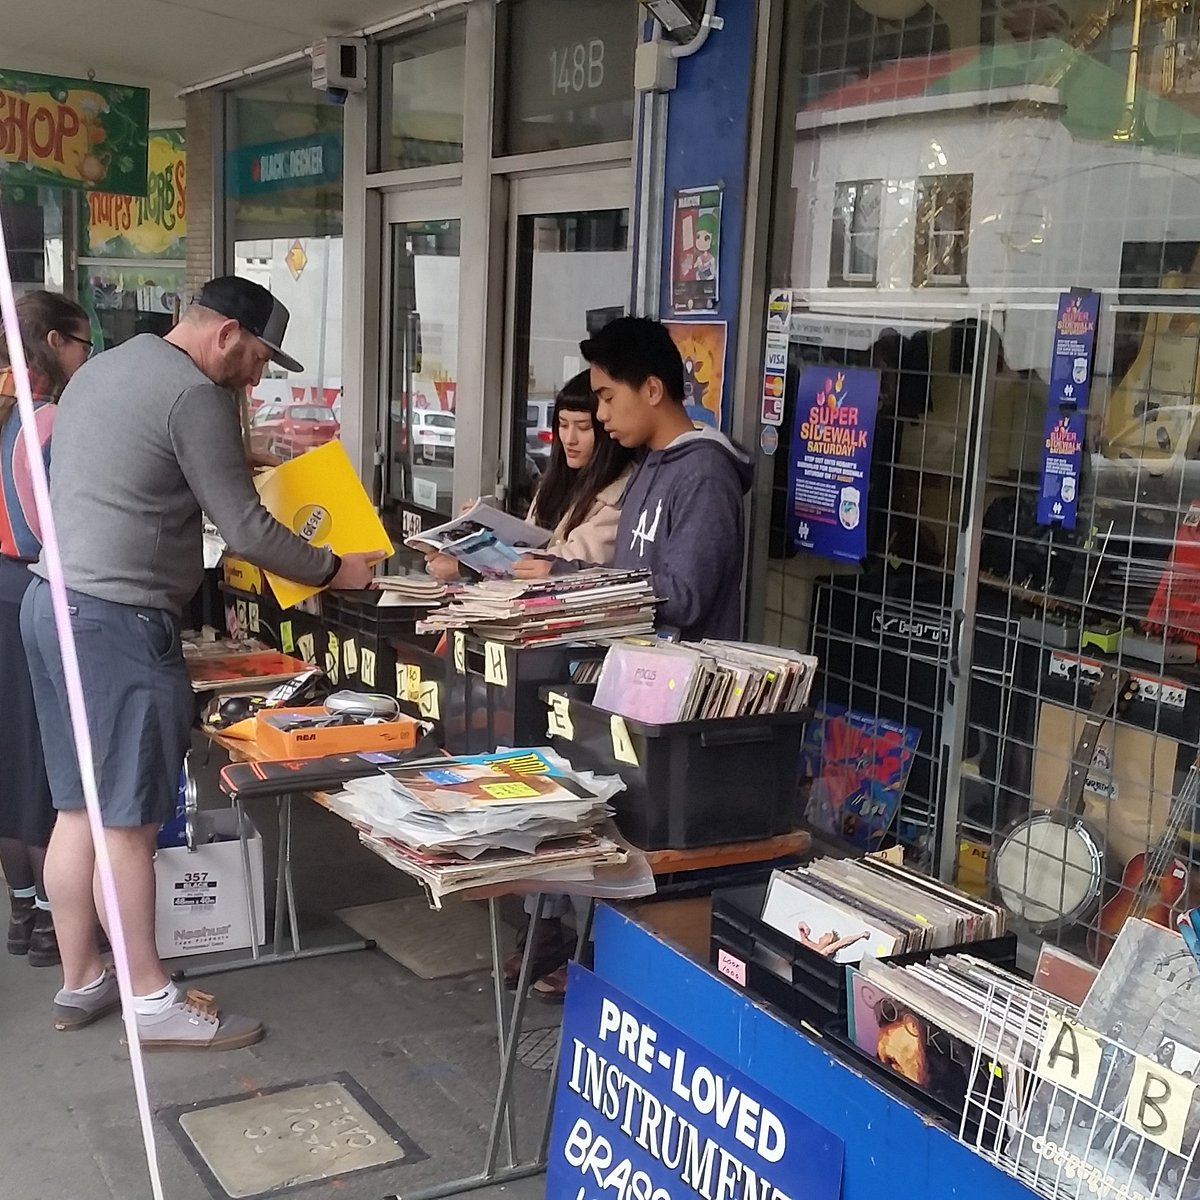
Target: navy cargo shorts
140	704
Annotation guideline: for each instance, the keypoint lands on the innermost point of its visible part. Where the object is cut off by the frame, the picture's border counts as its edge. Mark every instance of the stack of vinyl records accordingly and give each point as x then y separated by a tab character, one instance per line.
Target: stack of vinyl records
854	909
480	819
410	591
585	606
662	683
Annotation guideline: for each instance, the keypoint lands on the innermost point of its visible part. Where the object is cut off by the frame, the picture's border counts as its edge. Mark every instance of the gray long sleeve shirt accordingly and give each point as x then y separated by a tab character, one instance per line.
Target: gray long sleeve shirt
143	442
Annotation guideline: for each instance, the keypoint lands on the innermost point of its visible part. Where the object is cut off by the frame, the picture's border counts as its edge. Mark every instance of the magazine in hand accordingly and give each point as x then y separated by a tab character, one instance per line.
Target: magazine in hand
483	538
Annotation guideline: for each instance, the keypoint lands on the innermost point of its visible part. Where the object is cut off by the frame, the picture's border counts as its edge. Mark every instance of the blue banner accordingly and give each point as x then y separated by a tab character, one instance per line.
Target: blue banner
830	465
1066	407
644	1112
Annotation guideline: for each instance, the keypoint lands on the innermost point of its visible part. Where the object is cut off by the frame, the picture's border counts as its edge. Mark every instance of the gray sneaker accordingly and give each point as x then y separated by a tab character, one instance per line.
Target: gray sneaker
194	1023
74	1010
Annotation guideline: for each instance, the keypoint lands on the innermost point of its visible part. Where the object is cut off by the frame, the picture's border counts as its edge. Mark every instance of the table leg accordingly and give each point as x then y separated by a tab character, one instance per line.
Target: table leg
248	881
584	936
280	873
290	887
498	988
516	1020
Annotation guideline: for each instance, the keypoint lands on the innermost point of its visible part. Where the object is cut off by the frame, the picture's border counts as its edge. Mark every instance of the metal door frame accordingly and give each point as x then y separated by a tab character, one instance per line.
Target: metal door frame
545	194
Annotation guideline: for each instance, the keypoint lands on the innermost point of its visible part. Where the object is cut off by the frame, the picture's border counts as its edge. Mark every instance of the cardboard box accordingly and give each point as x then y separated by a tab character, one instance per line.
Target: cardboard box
276	741
201	895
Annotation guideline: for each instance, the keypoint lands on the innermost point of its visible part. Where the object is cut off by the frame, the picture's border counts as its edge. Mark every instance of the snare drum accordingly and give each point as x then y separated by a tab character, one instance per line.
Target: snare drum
1048	870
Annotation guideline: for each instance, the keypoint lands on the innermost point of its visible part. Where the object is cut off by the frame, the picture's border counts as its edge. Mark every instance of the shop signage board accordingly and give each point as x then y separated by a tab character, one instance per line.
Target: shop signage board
1067	406
643	1110
74	133
304	162
833	437
152	224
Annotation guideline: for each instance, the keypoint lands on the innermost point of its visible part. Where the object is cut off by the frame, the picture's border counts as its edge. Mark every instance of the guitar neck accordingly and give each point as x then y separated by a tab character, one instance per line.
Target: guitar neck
1070	799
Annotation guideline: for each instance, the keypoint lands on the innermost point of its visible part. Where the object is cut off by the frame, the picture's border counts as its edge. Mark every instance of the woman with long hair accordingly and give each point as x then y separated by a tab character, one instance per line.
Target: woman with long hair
579	496
56	336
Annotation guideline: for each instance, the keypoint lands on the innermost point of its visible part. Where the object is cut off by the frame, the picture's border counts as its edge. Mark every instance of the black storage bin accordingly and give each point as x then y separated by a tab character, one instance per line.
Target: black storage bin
801	983
379	630
697	783
481	716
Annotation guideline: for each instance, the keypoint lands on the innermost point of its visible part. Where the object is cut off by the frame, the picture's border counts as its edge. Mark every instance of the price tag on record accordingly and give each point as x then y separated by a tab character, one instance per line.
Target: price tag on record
350	657
412	677
252	616
460	652
307	646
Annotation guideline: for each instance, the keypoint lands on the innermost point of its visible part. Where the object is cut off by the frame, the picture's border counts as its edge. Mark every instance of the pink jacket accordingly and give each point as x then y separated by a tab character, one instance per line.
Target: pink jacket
593	540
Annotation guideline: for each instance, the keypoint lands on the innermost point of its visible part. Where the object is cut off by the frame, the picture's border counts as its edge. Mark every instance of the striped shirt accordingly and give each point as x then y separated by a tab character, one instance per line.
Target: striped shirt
20	529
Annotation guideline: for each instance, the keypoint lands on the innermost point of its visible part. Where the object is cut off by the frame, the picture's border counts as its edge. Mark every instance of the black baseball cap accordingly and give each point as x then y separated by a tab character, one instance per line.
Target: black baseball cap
254	309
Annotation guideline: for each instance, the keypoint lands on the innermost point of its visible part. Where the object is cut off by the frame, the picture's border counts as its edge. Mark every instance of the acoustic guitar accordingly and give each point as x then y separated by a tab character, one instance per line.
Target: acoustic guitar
1153	883
1048	869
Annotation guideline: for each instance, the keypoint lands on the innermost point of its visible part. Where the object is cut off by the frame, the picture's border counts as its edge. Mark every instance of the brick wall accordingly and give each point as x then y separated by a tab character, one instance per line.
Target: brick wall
201	204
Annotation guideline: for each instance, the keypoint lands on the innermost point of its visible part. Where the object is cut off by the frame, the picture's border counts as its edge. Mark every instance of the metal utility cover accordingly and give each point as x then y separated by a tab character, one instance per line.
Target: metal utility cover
293	1136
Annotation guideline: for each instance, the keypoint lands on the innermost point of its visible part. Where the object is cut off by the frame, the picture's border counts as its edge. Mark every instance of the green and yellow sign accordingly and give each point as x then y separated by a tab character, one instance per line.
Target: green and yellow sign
152	225
73	133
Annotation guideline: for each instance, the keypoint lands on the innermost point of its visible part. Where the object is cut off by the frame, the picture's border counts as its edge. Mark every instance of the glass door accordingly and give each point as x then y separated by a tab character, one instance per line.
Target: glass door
569	276
420	359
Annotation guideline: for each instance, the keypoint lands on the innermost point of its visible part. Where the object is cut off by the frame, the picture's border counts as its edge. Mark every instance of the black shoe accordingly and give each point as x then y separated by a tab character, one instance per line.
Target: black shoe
20	924
43	944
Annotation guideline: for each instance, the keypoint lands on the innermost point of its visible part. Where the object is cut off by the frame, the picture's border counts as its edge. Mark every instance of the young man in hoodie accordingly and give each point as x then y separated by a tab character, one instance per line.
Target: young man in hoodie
682	513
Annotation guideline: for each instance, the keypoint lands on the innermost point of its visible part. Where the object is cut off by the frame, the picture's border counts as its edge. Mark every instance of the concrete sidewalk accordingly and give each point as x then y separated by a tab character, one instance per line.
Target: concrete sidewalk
423	1053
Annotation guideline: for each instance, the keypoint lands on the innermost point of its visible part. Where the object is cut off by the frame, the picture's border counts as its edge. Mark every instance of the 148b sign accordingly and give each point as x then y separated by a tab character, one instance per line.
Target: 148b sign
577	68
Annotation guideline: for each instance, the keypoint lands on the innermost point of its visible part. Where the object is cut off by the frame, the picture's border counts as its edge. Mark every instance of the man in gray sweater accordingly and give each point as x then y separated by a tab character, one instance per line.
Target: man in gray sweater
146	438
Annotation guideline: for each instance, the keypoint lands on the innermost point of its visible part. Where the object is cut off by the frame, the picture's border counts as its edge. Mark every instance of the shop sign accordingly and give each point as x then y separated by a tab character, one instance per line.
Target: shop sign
830	464
73	133
150	225
305	162
1066	407
644	1111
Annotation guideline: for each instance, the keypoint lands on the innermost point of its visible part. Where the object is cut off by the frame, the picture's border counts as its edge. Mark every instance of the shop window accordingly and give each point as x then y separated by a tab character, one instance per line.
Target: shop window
567	72
854	248
423	82
284	198
943	230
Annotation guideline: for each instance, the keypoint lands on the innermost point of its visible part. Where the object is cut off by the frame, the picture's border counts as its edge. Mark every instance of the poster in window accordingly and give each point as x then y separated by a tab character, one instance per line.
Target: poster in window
1067	406
832	440
702	345
696	250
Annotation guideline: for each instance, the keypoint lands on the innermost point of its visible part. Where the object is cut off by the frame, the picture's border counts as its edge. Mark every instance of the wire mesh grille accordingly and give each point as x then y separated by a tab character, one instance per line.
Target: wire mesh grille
943	177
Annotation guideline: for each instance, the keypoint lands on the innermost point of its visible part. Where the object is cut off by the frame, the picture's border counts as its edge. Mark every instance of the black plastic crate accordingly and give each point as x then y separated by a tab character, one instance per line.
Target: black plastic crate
696	783
801	983
479	715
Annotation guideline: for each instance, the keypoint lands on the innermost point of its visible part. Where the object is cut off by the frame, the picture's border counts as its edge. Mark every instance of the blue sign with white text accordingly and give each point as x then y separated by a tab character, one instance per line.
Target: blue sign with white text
645	1113
1066	407
828	474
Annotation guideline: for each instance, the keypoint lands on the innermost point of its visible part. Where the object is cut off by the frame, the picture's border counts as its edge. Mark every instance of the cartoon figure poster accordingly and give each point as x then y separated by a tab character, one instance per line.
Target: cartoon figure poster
702	344
828	474
696	250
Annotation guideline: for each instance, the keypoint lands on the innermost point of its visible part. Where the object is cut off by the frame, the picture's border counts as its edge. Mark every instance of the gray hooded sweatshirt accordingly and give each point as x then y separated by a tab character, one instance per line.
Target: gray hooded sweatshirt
682	518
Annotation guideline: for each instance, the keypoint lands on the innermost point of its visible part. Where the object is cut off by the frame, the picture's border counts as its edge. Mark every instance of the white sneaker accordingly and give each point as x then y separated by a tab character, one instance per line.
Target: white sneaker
195	1023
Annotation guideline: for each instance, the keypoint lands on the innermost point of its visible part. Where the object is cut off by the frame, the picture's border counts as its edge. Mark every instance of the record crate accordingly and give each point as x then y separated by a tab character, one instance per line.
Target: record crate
805	986
688	784
493	691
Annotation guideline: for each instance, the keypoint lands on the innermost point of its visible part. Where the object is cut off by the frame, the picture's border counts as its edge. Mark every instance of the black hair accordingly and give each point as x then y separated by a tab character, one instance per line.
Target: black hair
634	349
566	491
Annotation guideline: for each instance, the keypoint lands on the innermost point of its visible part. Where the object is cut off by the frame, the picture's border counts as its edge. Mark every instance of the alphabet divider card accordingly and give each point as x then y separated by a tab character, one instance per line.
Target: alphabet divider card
643	1112
1114	1108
